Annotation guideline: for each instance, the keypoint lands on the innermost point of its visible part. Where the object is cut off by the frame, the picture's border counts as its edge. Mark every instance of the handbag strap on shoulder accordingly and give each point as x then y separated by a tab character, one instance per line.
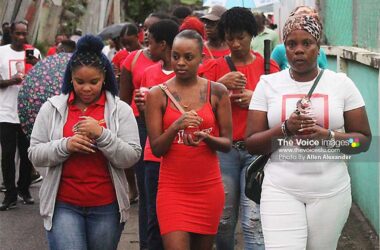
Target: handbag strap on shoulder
165	88
230	63
315	83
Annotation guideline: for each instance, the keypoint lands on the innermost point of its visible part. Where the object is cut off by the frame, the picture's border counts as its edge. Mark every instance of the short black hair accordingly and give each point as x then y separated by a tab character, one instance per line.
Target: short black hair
193	35
236	20
182	12
164	30
68	46
129	29
13	25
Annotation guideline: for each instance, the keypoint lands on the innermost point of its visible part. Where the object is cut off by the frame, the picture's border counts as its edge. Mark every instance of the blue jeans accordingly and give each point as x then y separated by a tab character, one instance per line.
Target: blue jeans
140	177
152	172
233	165
82	228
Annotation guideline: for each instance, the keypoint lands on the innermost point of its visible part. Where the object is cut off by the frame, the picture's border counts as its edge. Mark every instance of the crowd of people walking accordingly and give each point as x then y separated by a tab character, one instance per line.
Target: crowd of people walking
171	120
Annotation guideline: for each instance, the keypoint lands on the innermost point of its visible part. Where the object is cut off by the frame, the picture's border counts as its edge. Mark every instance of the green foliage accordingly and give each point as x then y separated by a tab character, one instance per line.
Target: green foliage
42	47
138	10
74	10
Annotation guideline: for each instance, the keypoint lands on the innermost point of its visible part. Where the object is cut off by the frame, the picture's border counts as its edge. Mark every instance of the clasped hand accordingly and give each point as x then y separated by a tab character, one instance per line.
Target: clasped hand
86	131
188	121
305	127
234	80
243	99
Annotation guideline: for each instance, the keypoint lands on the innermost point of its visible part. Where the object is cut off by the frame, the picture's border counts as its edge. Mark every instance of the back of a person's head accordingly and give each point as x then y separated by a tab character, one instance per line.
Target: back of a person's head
164	30
66	46
159	15
237	20
182	12
129	29
193	23
260	18
88	53
4	25
78	32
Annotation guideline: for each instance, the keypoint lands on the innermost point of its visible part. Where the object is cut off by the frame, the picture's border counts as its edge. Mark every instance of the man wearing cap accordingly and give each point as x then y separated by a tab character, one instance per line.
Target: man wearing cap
214	47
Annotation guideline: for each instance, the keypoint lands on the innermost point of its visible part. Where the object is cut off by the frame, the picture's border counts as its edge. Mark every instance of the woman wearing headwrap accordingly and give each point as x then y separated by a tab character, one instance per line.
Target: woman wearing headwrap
279	53
85	137
306	194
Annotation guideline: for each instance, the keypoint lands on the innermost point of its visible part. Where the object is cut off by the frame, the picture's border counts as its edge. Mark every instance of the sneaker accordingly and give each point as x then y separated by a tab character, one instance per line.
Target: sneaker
36	177
26	197
8	203
2	187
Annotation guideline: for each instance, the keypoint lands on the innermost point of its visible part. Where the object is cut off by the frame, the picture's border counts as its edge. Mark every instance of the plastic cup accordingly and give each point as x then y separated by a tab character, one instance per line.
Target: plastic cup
144	91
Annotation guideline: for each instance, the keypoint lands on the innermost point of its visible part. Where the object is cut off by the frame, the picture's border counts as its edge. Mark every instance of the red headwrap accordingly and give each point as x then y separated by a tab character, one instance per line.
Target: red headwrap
193	23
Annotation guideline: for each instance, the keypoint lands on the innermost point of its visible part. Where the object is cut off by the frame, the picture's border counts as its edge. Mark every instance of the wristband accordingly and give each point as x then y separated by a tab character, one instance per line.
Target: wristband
331	135
287	129
284	130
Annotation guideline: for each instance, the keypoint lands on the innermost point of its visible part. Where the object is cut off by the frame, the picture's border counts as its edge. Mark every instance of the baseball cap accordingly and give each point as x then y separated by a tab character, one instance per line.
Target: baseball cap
214	13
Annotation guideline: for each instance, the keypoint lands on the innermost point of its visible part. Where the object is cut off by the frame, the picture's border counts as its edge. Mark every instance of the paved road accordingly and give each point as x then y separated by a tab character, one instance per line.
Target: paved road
22	229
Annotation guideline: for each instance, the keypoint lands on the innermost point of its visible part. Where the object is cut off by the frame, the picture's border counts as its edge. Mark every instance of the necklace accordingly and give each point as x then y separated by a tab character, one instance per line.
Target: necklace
292	74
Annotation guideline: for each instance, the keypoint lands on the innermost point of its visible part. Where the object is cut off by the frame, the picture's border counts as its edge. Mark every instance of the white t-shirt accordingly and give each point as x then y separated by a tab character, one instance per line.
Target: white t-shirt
11	63
277	94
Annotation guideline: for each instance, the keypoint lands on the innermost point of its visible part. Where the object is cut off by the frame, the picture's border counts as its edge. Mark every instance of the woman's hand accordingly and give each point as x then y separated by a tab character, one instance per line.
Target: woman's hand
188	119
89	127
195	138
298	124
80	144
243	99
315	132
140	99
233	80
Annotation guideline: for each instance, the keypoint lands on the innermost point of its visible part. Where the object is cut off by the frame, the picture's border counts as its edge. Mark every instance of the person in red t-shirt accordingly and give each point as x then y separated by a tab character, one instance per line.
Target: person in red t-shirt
161	36
190	194
238	26
132	70
85	138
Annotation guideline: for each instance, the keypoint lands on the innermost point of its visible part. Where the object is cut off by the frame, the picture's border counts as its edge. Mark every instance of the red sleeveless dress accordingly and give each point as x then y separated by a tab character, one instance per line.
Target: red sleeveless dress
190	194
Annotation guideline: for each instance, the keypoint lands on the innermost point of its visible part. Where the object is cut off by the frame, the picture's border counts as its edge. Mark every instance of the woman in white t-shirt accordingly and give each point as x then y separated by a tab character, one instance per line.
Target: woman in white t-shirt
306	194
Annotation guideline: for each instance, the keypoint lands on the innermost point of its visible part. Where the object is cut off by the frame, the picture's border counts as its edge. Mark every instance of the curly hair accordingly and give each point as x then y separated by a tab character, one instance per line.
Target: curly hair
89	53
237	20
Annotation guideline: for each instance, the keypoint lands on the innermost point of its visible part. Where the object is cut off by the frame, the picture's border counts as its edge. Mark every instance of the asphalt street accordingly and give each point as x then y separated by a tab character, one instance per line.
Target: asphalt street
22	229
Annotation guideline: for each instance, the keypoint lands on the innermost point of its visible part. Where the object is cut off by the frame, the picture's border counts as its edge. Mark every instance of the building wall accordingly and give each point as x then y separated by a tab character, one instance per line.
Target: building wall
358	23
363	168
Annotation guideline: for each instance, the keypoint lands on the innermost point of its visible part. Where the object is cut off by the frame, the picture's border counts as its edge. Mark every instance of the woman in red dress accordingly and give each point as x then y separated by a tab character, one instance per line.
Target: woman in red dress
190	195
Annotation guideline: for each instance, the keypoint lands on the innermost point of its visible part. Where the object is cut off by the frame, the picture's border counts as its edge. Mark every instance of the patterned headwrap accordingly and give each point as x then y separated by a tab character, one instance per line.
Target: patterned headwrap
308	23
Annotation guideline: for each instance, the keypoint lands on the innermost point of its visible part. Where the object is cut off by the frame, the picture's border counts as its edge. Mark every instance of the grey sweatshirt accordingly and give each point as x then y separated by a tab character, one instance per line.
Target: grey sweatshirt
119	143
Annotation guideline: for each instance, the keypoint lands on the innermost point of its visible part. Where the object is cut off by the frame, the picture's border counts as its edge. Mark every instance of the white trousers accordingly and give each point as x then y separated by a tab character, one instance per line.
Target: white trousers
294	223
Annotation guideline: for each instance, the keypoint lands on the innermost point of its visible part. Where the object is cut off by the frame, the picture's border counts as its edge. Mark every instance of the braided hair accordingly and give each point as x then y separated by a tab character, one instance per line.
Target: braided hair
89	54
